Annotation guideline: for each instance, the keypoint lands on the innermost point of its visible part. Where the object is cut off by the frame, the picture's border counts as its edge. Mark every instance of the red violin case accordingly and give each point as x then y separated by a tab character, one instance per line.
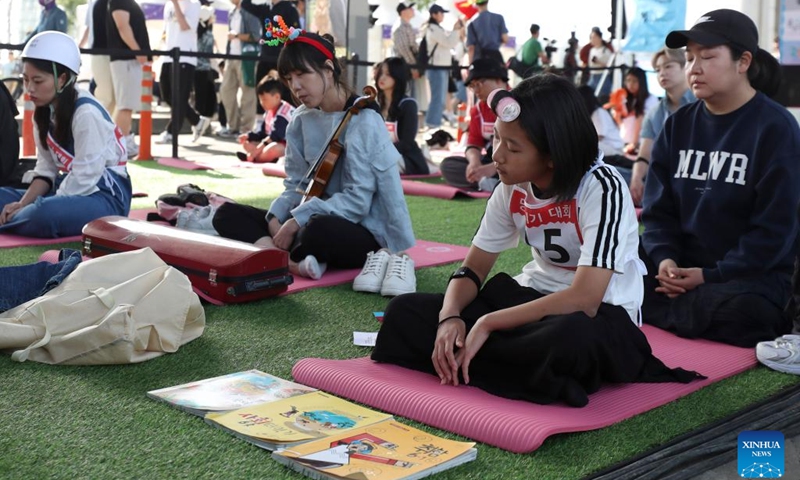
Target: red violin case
220	269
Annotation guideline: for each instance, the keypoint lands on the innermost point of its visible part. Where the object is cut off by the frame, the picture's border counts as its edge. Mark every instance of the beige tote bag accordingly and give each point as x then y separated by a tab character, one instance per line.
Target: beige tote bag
122	308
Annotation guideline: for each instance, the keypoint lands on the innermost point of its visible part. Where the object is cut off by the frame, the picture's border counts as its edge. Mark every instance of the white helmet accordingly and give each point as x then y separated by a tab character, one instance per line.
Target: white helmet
55	47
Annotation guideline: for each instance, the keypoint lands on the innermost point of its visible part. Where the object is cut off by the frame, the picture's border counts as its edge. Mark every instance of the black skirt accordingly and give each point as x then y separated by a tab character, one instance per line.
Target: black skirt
559	358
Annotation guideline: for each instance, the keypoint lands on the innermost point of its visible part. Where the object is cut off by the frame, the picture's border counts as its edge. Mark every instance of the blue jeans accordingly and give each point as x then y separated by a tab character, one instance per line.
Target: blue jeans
26	282
437	79
51	216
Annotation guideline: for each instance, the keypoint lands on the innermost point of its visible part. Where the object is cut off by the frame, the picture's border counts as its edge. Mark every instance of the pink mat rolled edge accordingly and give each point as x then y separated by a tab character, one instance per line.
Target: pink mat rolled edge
424	254
183	164
514	425
411	187
9	240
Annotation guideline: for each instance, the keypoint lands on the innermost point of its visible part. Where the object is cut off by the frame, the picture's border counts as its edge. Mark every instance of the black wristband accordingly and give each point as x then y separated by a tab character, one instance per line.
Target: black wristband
466	272
642	159
270	216
451	317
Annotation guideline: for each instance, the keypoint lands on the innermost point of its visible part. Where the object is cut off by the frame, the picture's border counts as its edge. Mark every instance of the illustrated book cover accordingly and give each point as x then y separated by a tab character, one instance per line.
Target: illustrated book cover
228	392
388	450
294	420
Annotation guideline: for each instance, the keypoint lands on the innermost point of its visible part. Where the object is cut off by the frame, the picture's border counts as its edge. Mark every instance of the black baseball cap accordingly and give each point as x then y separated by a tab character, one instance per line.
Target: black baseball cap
486	68
720	27
402	6
437	9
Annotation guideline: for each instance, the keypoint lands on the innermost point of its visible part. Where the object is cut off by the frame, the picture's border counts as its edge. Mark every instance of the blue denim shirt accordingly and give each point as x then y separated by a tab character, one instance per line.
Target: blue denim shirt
655	119
365	186
25	282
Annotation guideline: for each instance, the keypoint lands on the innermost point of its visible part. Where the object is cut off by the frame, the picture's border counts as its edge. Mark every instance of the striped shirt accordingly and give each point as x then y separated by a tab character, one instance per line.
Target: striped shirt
404	38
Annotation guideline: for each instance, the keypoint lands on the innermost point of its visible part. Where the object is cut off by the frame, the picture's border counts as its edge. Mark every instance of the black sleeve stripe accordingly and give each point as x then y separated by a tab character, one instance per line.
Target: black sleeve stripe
601	225
610	219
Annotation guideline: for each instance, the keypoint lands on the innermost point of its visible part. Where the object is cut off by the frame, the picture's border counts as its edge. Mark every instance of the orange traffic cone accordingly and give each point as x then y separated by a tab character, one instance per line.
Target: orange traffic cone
28	144
145	114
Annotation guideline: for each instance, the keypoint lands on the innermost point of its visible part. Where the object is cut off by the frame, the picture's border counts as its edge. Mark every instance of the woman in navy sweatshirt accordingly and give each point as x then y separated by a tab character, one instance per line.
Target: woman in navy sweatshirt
721	199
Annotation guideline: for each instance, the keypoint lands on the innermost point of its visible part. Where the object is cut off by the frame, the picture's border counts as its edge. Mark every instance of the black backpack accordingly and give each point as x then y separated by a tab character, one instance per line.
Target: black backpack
423	57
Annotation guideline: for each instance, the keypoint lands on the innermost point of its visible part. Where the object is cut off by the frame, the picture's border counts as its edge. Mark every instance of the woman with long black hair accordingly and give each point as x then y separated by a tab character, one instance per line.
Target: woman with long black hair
400	113
80	172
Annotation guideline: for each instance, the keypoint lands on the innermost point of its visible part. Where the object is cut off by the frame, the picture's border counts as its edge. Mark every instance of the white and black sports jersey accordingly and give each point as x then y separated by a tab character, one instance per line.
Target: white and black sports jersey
596	228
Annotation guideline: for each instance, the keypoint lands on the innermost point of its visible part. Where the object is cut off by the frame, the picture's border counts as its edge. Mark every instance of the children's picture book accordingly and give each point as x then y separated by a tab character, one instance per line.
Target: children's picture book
388	450
294	420
228	392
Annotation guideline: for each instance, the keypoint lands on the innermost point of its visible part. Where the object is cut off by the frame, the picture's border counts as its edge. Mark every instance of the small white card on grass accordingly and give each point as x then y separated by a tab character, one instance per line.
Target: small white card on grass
365	339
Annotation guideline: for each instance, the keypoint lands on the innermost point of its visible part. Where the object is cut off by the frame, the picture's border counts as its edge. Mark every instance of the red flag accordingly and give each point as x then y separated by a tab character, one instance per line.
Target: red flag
467	7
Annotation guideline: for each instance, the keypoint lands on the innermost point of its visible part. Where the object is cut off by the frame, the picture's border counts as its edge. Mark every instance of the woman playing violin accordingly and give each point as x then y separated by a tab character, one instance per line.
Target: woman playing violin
362	208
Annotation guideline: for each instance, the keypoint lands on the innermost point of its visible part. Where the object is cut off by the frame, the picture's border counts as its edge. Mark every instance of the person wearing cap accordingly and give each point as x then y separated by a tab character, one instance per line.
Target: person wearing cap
668	64
568	322
404	39
439	44
80	172
362	209
486	33
475	169
721	197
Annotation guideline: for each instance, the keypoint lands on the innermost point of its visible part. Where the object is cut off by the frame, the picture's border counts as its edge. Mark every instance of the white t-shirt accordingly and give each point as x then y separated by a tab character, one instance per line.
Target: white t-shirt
97	146
185	40
611	143
236	22
596	228
628	126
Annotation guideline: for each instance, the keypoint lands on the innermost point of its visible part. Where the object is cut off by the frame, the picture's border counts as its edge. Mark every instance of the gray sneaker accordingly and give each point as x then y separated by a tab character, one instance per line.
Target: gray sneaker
200	129
227	133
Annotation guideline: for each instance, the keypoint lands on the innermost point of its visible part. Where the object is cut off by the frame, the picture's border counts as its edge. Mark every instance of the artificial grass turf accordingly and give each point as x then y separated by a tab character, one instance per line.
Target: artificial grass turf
96	422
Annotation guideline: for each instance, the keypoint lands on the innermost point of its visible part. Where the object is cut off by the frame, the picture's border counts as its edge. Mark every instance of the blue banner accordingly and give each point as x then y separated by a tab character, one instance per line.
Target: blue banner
653	20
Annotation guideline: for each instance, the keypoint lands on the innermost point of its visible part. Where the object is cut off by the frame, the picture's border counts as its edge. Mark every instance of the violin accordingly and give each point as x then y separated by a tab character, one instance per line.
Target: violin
318	175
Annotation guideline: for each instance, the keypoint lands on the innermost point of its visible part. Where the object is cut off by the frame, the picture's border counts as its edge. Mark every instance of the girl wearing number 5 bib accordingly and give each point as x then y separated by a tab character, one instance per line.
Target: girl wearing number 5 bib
569	322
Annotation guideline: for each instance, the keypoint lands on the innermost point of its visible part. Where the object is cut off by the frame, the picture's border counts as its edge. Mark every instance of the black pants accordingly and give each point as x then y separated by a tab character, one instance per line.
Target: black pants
205	95
454	171
561	357
181	108
331	239
740	312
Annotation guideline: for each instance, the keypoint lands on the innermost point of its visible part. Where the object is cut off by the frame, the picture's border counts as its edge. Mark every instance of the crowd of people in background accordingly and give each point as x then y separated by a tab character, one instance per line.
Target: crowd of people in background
716	256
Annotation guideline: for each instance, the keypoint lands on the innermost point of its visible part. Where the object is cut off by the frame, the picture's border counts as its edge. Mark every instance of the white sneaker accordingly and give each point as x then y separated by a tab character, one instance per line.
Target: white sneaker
200	129
371	277
400	277
130	146
487	184
164	139
309	267
782	354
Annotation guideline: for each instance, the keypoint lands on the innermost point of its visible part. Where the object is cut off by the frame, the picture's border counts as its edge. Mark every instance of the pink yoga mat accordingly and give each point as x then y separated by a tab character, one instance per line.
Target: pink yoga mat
439	190
273	170
183	164
515	425
424	254
9	240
